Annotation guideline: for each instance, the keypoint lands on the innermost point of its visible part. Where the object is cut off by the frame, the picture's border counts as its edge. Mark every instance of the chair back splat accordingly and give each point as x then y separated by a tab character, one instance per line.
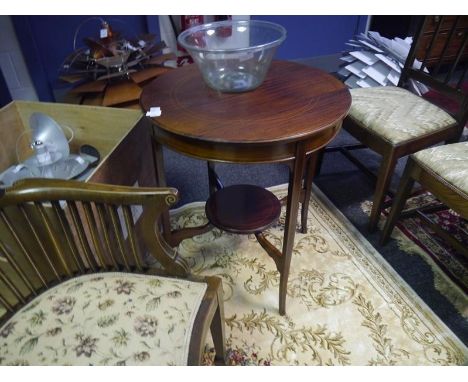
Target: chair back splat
53	230
443	57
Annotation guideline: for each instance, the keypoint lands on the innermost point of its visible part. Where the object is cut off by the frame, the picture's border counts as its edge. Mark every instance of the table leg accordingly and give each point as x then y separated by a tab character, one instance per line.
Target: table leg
292	207
161	182
173	238
213	178
312	167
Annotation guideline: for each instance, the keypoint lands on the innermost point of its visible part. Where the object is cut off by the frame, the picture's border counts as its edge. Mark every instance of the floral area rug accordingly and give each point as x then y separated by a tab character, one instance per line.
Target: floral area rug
449	267
345	304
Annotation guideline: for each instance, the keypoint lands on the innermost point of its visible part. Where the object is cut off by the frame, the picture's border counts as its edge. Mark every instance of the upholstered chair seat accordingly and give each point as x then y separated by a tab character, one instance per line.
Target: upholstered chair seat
448	162
443	171
105	319
395	114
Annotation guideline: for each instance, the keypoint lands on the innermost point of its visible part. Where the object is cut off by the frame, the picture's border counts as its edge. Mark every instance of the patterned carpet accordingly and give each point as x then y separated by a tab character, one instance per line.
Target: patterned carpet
449	267
345	304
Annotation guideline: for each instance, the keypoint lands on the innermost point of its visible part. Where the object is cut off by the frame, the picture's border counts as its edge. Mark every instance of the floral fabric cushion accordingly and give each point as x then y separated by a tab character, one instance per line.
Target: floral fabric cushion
396	114
105	319
450	162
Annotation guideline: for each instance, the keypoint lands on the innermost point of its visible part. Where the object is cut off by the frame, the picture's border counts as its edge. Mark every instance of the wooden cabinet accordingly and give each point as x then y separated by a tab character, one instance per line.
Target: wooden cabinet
122	137
447	44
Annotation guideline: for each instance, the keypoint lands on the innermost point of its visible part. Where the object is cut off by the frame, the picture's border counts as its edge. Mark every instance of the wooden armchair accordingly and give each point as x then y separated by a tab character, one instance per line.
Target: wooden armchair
76	287
442	170
394	122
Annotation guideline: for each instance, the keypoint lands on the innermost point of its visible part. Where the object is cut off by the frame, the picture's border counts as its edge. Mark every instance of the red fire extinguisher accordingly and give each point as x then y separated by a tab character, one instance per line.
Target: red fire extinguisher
187	21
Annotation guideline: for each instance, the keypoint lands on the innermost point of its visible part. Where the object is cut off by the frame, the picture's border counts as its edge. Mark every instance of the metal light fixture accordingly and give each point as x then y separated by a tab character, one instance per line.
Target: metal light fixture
47	153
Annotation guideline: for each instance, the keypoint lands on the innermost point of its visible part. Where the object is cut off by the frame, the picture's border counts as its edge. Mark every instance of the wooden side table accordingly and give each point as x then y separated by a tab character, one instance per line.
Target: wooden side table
296	111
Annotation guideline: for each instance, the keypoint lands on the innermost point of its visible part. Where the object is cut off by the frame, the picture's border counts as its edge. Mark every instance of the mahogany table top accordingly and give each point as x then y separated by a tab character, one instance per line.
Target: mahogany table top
294	102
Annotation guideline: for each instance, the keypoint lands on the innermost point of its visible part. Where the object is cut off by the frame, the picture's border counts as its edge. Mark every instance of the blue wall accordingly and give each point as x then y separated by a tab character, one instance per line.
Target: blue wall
311	36
47	40
4	93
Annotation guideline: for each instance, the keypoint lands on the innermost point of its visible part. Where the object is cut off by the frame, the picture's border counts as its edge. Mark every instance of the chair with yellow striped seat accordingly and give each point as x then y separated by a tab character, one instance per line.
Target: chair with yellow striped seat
394	122
442	170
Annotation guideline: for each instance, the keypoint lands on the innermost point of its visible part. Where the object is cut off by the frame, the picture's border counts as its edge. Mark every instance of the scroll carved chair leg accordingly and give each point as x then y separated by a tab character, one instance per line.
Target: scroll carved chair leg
383	180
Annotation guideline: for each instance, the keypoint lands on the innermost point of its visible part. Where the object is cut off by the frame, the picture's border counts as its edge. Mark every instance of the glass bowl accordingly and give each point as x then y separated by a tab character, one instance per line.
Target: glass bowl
233	56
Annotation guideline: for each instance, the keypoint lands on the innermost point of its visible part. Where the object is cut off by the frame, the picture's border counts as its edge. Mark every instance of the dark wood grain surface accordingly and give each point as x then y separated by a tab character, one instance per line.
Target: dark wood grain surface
243	208
294	102
294	112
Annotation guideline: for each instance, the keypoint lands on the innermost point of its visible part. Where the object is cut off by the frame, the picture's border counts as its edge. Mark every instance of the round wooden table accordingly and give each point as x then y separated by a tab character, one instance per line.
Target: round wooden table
297	110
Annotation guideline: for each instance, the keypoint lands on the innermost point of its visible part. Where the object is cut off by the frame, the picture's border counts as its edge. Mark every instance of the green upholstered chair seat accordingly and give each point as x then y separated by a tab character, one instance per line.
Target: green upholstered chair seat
105	319
449	162
396	114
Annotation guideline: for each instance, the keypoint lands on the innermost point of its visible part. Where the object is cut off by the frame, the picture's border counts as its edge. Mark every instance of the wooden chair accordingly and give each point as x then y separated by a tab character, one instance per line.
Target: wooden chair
442	170
76	286
394	122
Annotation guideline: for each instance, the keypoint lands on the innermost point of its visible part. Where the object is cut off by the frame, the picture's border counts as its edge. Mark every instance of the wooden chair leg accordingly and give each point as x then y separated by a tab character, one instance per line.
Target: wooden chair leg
217	330
404	190
383	180
312	168
456	138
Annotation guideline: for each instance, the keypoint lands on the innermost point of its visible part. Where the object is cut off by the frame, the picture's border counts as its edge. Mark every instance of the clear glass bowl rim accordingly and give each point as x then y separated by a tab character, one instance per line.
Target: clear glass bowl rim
230	23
